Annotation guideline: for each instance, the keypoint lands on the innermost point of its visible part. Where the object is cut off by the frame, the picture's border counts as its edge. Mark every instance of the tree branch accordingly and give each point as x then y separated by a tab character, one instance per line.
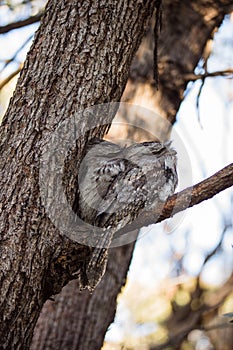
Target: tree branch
187	198
193	77
19	24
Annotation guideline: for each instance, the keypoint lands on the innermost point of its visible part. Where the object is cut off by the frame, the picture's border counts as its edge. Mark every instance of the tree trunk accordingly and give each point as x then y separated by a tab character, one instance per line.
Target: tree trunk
80	57
77	320
186	27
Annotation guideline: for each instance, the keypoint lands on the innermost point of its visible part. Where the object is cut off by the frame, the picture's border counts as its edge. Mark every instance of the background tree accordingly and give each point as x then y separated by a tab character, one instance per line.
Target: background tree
176	60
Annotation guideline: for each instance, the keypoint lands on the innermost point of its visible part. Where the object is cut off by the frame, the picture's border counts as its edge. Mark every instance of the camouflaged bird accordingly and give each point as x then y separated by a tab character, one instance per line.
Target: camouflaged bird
115	185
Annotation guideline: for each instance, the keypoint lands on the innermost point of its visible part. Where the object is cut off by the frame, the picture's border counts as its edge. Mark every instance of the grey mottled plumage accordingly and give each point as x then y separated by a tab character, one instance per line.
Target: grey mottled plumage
115	185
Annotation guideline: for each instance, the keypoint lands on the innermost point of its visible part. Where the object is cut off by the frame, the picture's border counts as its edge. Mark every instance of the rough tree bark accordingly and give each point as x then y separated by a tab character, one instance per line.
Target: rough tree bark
186	27
80	57
77	319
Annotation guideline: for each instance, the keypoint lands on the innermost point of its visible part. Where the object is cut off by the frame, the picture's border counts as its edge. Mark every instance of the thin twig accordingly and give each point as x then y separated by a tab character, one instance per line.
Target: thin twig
198	102
222	73
19	24
157	29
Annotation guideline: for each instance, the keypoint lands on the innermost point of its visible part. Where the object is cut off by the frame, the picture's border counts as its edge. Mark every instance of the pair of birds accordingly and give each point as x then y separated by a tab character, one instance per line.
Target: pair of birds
115	185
